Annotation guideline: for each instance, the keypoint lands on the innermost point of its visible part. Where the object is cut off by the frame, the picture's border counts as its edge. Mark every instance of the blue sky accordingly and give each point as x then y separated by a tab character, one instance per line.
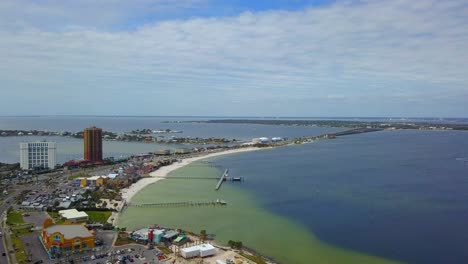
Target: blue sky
234	58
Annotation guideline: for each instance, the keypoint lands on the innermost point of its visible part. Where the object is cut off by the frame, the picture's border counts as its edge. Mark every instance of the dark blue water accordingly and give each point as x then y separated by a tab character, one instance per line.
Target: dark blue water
401	195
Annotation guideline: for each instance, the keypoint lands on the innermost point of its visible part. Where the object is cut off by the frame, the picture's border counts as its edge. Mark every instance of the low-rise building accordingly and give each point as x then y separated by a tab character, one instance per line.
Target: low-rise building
97	181
73	215
261	140
169	236
146	234
203	250
62	239
94	181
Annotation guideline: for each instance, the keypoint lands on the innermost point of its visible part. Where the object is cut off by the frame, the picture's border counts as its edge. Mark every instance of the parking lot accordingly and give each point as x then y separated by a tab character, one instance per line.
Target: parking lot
126	254
36	218
102	254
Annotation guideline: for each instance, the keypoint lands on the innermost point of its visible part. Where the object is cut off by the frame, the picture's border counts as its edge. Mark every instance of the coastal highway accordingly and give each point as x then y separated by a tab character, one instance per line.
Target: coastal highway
7	202
3	212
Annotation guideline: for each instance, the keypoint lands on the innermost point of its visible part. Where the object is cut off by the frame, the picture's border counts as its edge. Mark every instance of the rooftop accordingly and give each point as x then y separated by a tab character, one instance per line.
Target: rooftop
96	177
201	247
171	234
69	231
72	213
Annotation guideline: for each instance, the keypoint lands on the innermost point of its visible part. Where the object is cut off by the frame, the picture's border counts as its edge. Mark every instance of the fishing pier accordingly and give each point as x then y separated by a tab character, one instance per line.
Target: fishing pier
222	179
180	204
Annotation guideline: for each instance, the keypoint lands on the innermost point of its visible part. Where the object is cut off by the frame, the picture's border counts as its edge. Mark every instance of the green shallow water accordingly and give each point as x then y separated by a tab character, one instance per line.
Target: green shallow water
242	219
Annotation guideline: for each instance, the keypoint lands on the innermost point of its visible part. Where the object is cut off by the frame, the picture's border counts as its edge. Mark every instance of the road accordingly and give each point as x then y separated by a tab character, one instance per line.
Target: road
7	202
3	211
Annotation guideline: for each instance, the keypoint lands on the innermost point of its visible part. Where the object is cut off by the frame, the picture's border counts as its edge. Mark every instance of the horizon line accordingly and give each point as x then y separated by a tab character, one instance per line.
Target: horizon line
243	116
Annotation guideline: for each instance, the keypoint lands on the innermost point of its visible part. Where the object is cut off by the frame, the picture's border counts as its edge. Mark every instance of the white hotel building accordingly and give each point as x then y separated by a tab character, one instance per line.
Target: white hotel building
38	155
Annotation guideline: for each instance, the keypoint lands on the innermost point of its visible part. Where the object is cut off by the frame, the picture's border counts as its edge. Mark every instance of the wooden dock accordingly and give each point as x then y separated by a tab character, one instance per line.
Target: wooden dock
180	204
222	179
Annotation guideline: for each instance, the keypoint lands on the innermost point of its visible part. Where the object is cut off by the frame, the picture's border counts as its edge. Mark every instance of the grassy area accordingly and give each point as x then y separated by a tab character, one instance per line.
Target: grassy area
123	239
55	216
78	175
21	231
165	250
94	216
99	216
15	218
254	258
20	252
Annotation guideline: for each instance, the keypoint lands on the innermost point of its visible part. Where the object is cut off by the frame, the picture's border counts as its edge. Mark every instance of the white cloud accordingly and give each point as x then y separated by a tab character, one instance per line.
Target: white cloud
348	53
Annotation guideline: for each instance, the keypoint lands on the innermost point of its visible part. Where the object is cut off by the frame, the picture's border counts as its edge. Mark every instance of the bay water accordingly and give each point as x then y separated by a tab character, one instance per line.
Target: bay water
394	195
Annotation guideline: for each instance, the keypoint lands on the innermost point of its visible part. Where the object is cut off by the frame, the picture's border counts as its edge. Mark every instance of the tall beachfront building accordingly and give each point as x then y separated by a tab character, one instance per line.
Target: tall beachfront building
38	155
93	144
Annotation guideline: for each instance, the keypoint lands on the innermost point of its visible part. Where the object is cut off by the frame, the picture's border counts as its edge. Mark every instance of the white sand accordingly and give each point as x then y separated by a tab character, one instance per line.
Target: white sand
162	172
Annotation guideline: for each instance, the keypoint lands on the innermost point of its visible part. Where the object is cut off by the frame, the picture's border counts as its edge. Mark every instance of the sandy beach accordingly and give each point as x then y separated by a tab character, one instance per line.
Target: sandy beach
162	172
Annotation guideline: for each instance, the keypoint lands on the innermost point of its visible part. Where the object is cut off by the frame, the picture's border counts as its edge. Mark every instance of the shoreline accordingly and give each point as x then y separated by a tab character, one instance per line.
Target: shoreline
159	174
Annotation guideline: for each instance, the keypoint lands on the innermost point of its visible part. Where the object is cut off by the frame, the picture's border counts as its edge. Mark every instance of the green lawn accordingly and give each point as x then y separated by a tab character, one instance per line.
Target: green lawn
20	253
78	175
165	250
21	231
256	259
123	239
55	216
15	218
99	216
94	216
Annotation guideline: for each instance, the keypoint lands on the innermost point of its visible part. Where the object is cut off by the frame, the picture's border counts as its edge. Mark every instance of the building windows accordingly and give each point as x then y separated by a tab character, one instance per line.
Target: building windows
35	155
57	238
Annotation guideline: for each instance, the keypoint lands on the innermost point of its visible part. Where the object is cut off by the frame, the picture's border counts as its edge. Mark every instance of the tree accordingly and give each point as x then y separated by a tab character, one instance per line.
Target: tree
235	244
203	235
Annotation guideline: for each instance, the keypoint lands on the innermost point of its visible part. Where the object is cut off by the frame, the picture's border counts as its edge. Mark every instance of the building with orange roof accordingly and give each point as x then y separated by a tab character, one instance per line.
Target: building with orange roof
65	238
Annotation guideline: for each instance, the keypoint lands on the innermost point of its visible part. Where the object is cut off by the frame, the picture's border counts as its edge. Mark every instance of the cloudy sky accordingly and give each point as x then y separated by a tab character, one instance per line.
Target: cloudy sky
234	57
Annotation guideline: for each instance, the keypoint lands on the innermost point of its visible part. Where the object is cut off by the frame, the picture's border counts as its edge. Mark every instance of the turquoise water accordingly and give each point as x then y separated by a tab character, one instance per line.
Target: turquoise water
242	219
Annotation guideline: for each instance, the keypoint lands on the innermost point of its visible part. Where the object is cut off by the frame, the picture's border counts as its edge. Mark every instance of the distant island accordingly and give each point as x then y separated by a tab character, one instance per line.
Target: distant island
148	131
423	125
143	135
